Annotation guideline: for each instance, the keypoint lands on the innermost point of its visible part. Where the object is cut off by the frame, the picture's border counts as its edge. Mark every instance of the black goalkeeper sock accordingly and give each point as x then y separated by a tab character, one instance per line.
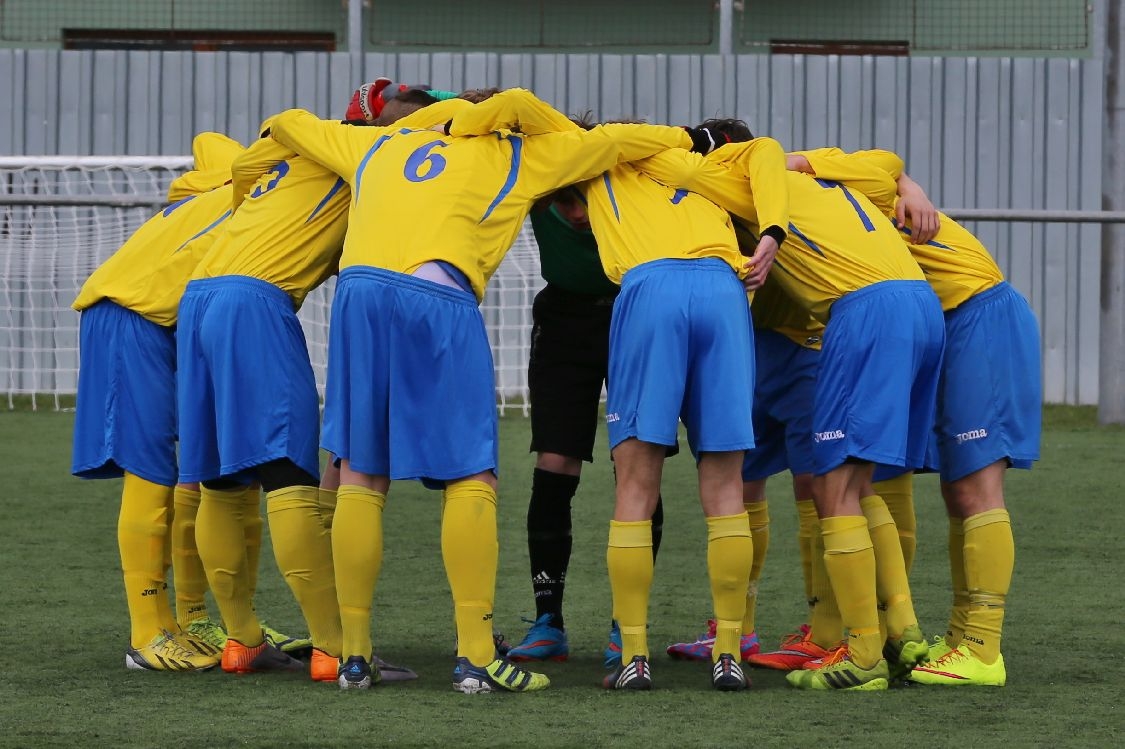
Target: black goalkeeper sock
548	539
657	525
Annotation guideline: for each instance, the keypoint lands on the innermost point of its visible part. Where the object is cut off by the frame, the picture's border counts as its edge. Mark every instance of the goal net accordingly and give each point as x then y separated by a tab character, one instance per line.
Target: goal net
61	217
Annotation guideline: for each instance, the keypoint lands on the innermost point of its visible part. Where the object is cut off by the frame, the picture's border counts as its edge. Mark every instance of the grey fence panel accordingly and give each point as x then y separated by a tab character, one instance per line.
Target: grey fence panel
988	132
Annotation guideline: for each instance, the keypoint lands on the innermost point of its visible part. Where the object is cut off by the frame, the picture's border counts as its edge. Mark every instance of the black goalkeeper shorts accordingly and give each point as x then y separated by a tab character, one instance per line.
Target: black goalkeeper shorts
567	370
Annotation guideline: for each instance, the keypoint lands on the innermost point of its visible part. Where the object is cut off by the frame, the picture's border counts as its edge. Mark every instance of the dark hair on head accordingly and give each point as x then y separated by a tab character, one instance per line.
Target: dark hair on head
415	96
736	131
584	120
477	95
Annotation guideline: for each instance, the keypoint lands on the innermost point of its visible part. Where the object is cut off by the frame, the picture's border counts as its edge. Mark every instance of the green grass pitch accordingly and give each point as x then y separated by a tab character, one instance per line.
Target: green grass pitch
63	682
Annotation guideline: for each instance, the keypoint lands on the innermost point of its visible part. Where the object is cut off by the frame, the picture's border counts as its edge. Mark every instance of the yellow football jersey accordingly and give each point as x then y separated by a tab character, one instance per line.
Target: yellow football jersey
421	196
291	215
773	309
213	154
636	219
149	272
288	231
955	262
836	241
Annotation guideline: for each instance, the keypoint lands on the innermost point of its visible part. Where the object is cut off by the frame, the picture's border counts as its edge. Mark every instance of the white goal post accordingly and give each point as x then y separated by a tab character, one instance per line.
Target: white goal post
62	216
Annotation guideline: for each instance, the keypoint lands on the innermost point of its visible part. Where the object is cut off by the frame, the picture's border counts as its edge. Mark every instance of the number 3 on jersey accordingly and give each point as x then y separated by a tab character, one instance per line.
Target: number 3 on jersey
423	164
278	171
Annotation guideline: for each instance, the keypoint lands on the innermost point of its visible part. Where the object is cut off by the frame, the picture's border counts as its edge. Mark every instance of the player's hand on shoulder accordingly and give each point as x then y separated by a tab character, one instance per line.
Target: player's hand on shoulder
915	210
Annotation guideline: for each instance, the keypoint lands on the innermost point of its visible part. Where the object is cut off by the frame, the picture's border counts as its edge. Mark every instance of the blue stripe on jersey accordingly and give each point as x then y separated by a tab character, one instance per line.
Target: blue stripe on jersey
168	211
851	199
339	185
363	163
206	229
806	240
932	243
513	173
612	198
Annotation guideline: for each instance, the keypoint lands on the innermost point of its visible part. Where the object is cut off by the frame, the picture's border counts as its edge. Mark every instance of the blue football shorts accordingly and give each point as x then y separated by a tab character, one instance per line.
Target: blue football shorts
411	391
125	418
783	406
991	397
876	392
681	347
247	394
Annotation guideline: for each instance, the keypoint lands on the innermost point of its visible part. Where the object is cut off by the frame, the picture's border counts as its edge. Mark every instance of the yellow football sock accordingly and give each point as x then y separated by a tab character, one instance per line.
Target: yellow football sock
357	549
142	527
252	533
807	529
629	558
850	560
960	608
327	498
891	583
759	515
826	629
221	540
730	556
990	555
469	549
187	571
303	550
898	493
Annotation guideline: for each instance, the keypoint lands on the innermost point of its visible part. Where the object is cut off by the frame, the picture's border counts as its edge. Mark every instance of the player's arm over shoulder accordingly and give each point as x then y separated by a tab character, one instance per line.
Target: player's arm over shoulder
515	109
330	143
762	161
434	114
262	156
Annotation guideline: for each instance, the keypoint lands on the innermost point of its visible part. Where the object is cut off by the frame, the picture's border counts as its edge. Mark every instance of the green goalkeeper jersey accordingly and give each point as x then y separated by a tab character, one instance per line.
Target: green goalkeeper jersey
569	257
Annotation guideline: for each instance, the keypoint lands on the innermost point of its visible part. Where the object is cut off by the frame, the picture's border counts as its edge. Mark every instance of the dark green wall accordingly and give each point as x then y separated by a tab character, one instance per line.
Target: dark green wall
928	26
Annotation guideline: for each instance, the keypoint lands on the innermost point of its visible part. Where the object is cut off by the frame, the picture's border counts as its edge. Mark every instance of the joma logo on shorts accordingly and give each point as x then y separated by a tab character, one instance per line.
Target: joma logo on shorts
610	418
835	434
972	434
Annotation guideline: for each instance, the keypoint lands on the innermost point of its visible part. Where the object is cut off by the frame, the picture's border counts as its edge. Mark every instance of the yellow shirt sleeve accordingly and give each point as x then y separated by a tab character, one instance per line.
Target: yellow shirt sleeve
435	114
873	173
516	109
257	160
214	151
757	190
213	154
337	146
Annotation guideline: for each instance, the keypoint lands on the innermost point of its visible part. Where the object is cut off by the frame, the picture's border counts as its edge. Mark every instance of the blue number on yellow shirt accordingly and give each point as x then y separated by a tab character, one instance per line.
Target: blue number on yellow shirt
278	171
432	163
679	195
851	199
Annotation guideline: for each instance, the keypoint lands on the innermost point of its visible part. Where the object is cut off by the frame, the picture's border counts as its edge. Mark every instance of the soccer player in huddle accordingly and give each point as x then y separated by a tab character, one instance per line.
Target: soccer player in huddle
565	374
786	347
989	414
410	294
844	265
125	422
248	405
677	260
681	348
